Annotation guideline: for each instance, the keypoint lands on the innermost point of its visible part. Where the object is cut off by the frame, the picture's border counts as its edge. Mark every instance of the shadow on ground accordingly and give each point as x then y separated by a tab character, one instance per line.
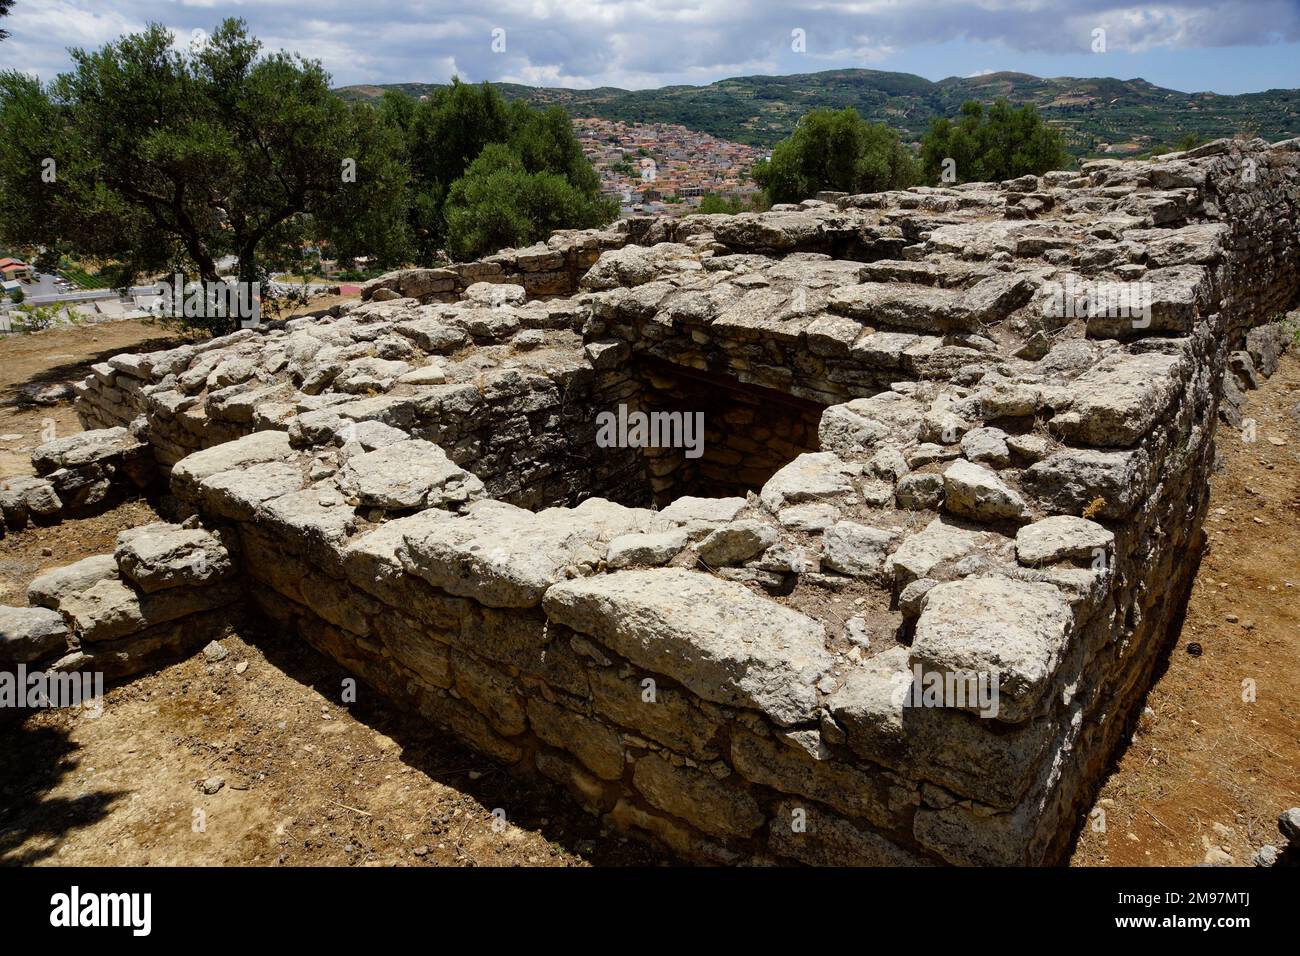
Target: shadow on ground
37	759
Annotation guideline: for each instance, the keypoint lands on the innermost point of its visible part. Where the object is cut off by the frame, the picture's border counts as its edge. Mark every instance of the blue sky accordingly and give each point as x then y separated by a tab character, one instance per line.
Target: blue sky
1225	46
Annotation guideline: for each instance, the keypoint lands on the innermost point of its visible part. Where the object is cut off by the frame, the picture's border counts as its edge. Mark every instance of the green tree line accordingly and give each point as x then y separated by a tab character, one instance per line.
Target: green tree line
840	151
160	160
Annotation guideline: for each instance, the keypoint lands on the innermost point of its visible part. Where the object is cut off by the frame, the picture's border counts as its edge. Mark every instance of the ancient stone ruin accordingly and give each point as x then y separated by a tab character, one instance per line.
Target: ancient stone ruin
946	432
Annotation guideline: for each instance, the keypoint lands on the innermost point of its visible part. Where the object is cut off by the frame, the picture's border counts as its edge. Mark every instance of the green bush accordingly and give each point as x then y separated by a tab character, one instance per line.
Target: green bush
472	154
835	150
499	203
33	318
991	145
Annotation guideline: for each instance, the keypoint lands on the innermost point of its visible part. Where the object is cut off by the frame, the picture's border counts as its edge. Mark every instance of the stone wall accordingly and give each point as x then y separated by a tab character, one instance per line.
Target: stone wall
543	270
76	477
1009	482
165	591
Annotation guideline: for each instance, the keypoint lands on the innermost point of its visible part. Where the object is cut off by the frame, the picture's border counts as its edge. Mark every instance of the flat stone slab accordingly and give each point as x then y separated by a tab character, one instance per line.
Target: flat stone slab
938	542
112	609
650	549
408	475
919	308
709	511
249	450
28	634
160	556
855	427
1116	403
1013	632
83	448
49	589
239	493
856	549
504	556
716	637
1062	538
813	476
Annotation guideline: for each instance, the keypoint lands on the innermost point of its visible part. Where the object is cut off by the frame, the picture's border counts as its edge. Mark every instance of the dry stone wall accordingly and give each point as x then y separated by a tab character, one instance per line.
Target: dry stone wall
551	268
1016	389
77	476
165	591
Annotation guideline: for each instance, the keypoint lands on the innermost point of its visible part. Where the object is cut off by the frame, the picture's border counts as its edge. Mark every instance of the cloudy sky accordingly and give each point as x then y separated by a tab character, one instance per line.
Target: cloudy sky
1226	46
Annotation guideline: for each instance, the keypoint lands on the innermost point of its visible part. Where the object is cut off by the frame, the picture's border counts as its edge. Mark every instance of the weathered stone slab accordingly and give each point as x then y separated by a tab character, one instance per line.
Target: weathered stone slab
49	589
249	450
718	638
972	491
504	556
856	549
160	556
408	475
30	634
111	609
813	476
1062	538
1013	632
1116	403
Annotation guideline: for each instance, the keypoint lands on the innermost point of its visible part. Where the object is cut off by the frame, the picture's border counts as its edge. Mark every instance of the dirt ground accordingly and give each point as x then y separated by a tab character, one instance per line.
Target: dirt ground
307	779
1210	769
46	365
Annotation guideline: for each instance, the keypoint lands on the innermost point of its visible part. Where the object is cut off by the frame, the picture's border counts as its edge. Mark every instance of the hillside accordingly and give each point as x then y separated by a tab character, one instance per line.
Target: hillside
761	110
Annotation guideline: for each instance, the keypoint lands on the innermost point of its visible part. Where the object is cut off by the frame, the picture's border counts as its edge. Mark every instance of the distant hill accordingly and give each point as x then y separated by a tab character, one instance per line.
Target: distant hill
761	110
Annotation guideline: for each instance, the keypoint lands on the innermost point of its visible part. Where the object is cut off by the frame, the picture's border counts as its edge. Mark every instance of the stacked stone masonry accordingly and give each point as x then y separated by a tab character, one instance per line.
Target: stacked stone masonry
165	591
76	477
1002	481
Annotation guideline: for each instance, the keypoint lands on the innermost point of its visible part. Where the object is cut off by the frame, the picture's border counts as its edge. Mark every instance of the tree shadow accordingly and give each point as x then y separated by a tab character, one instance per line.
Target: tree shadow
21	394
37	757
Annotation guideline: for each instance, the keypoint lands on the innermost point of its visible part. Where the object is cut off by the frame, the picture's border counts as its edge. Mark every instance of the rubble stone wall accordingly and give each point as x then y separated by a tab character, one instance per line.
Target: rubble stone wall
1009	481
165	591
76	477
544	270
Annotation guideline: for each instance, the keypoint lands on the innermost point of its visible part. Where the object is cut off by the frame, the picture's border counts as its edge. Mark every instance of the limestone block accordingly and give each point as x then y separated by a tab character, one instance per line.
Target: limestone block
30	634
719	639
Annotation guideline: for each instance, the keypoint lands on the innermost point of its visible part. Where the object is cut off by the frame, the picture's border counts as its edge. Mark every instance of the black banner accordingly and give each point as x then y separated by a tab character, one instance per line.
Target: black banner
213	906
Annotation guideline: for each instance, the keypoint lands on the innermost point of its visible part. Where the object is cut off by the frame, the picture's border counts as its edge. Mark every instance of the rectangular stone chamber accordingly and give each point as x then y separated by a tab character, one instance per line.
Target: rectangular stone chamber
914	466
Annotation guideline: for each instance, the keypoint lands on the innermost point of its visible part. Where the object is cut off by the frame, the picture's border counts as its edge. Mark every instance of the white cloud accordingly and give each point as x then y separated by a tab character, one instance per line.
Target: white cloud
640	43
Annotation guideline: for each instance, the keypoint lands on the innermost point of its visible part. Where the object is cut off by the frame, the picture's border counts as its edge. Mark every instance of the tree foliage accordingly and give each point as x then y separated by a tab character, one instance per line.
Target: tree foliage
157	159
530	158
993	144
835	150
498	203
711	203
5	7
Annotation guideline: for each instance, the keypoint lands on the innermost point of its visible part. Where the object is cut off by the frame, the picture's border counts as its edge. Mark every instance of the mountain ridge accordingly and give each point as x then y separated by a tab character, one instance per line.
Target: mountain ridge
1093	112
